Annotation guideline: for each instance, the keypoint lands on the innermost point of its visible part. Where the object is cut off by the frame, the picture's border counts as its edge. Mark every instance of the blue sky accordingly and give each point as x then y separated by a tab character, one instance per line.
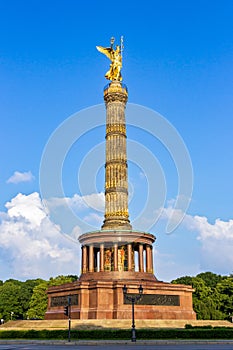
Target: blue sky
177	61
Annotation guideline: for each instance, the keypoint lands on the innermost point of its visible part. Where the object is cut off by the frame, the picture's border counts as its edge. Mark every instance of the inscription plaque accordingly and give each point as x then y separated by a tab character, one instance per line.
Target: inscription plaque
155	299
63	300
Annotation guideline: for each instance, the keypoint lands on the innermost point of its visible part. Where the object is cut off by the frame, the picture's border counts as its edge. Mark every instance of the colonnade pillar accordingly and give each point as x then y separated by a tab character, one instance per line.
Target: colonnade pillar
91	258
129	251
115	257
151	259
90	263
101	257
149	265
84	259
140	258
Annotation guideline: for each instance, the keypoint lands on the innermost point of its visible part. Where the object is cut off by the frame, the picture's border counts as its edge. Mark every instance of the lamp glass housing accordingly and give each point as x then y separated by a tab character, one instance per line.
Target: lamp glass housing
124	289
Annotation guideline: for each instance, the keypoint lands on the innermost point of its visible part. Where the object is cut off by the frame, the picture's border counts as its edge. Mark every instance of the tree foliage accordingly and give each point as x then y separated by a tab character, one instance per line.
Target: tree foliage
39	300
10	300
213	296
212	299
15	297
22	300
183	280
225	292
210	278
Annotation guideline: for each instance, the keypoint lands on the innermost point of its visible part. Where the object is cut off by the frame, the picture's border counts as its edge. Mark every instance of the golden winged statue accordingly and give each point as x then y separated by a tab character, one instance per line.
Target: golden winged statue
115	57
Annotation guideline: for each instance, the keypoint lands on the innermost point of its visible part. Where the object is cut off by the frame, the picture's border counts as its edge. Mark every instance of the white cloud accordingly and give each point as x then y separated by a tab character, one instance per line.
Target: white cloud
77	202
95	201
18	177
31	244
216	240
76	232
86	212
220	230
94	219
27	207
169	267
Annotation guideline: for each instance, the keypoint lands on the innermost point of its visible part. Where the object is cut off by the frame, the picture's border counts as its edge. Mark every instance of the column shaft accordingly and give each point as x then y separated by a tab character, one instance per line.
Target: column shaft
101	257
95	259
115	257
116	172
84	259
148	259
140	256
91	258
129	247
151	259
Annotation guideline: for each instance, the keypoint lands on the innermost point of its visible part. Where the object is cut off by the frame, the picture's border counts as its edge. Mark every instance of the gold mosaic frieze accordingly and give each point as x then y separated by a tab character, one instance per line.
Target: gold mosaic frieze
116	128
117	213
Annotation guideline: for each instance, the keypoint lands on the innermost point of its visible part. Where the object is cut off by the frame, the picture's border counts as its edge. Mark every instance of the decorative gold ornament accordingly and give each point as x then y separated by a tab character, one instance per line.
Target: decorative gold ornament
116	128
108	261
117	213
115	56
122	258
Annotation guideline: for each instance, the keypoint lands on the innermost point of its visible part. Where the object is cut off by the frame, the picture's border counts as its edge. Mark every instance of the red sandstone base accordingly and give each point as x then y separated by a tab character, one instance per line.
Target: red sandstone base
96	298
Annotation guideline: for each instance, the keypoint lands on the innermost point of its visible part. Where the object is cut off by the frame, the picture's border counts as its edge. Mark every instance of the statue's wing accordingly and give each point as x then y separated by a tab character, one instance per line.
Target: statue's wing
107	51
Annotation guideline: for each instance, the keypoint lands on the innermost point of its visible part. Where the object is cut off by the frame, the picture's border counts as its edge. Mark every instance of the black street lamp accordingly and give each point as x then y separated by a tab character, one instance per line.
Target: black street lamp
69	304
133	299
67	312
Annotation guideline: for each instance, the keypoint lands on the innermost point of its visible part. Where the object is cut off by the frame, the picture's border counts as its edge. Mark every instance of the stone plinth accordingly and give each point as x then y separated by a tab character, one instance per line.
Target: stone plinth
110	260
104	299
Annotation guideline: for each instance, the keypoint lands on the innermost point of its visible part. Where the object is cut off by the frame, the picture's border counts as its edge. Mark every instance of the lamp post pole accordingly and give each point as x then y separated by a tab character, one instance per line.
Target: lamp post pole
133	322
69	315
133	299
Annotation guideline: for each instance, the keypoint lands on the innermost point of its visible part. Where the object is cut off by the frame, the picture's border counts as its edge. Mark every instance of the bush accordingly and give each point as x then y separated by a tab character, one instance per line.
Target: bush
124	334
189	326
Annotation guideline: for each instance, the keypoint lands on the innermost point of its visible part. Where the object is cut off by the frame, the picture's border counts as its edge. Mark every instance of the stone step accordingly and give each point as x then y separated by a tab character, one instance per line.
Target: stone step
121	324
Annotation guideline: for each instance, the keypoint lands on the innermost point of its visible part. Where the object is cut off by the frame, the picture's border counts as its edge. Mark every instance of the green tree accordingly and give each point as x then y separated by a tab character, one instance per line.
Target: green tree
225	291
26	292
15	297
62	280
183	280
205	301
16	282
10	306
39	300
210	278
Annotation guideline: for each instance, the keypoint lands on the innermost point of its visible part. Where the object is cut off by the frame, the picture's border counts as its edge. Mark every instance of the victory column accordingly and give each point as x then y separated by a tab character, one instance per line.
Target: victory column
118	255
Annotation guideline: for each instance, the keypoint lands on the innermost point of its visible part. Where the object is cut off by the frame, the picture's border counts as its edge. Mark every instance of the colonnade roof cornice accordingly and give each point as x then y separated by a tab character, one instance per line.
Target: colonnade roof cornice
116	236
